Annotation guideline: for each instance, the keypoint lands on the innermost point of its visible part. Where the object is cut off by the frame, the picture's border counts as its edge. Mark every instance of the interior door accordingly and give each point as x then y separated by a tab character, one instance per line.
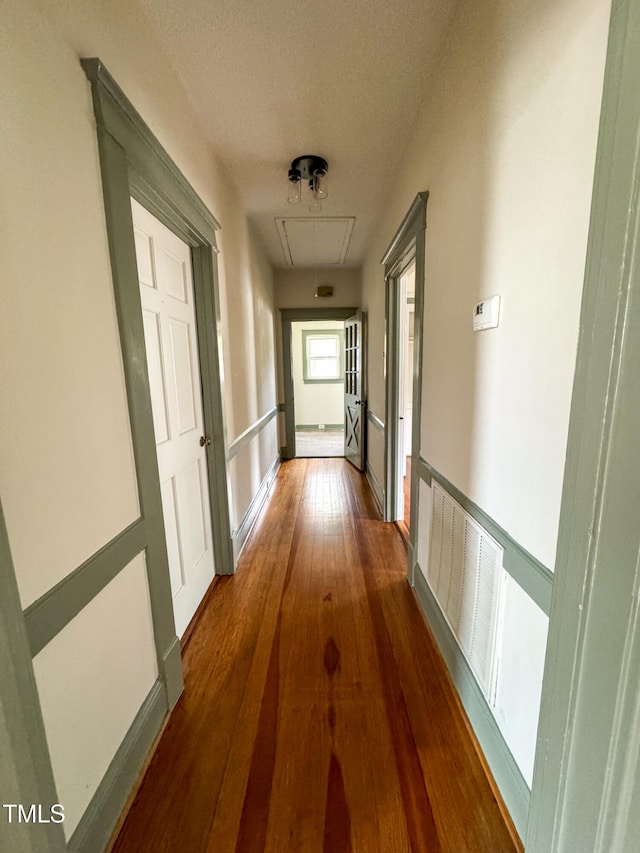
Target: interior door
166	291
354	389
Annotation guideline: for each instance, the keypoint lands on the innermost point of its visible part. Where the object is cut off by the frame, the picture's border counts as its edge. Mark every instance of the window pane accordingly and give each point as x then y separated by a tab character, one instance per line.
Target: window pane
325	347
323	368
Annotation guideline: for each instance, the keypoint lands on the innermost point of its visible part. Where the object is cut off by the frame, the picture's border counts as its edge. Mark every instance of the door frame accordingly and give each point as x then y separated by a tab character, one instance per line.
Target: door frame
134	164
585	773
396	359
289	316
408	246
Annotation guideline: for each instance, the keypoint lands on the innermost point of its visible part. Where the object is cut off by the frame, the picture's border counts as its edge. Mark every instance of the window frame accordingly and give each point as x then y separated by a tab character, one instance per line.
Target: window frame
320	333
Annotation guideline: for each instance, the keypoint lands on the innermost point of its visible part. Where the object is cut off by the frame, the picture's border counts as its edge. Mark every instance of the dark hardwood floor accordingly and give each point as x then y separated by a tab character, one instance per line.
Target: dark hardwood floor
317	714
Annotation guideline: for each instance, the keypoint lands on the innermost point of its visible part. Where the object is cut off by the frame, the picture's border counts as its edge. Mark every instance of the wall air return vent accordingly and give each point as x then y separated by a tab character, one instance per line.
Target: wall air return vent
312	241
466	576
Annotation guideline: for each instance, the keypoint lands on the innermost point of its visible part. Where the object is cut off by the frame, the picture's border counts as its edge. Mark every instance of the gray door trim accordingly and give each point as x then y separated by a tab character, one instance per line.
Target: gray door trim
288	316
407	245
133	163
26	774
585	777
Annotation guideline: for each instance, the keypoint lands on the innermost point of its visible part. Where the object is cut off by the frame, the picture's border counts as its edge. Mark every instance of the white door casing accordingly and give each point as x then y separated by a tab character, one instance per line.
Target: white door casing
168	309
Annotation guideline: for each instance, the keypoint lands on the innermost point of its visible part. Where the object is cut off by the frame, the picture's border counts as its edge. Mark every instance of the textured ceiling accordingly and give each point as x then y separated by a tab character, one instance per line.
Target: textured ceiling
273	80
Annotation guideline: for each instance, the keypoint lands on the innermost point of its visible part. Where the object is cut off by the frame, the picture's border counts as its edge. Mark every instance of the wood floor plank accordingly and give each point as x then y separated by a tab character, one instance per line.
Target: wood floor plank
420	822
363	735
245	791
447	754
302	763
317	715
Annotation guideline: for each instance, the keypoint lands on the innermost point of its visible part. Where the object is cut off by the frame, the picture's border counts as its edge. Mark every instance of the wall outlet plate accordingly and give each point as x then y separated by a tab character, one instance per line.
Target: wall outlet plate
486	314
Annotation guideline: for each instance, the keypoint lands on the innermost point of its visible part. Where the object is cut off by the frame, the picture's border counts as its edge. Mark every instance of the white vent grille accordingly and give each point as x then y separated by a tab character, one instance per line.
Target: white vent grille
465	574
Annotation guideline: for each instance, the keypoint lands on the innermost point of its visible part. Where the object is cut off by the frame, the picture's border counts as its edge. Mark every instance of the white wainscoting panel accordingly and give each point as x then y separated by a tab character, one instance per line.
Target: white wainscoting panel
466	576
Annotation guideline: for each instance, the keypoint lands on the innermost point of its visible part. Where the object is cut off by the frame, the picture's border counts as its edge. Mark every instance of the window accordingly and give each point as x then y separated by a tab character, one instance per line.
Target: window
322	356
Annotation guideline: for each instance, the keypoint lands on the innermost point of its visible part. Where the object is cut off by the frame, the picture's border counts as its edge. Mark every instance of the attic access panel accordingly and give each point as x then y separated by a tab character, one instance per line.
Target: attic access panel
310	241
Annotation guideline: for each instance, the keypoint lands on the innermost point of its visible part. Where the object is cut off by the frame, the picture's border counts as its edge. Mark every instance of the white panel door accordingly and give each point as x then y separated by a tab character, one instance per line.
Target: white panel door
166	291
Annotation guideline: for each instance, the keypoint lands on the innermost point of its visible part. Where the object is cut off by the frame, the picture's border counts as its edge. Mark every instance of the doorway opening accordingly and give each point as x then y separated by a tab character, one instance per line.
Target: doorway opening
404	390
317	356
404	263
400	391
314	363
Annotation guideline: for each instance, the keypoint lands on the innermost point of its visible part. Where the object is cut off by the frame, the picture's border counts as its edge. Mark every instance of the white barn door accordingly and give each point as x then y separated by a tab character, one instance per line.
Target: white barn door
166	291
354	383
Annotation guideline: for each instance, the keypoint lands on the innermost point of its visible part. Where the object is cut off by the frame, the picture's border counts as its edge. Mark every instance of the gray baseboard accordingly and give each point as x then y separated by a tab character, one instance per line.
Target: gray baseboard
316	427
172	671
376	488
240	535
97	823
515	791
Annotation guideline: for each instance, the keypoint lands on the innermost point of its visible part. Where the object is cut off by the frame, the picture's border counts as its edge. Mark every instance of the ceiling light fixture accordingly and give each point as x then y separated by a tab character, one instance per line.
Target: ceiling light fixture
313	169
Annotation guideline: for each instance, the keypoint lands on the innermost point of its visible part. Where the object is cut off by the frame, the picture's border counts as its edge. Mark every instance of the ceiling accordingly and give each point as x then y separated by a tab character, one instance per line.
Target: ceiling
273	80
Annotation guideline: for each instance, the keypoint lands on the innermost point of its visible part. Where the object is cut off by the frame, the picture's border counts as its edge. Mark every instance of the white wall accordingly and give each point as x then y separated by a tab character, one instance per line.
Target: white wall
248	468
67	475
319	403
505	144
68	482
92	680
296	288
519	684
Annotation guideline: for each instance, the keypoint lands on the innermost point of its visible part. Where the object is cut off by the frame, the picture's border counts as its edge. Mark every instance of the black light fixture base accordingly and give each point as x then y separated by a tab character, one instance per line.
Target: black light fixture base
308	166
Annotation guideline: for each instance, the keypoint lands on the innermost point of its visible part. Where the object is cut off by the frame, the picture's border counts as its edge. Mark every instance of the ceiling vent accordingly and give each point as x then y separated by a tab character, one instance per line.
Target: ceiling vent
313	242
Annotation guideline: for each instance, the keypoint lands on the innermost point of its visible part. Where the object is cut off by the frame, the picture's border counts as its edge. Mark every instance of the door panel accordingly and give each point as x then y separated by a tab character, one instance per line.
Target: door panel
174	274
156	376
193	543
171	532
166	291
354	387
181	369
144	256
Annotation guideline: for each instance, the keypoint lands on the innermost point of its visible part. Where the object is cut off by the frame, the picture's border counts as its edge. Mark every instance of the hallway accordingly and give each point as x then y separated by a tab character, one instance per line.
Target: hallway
317	714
